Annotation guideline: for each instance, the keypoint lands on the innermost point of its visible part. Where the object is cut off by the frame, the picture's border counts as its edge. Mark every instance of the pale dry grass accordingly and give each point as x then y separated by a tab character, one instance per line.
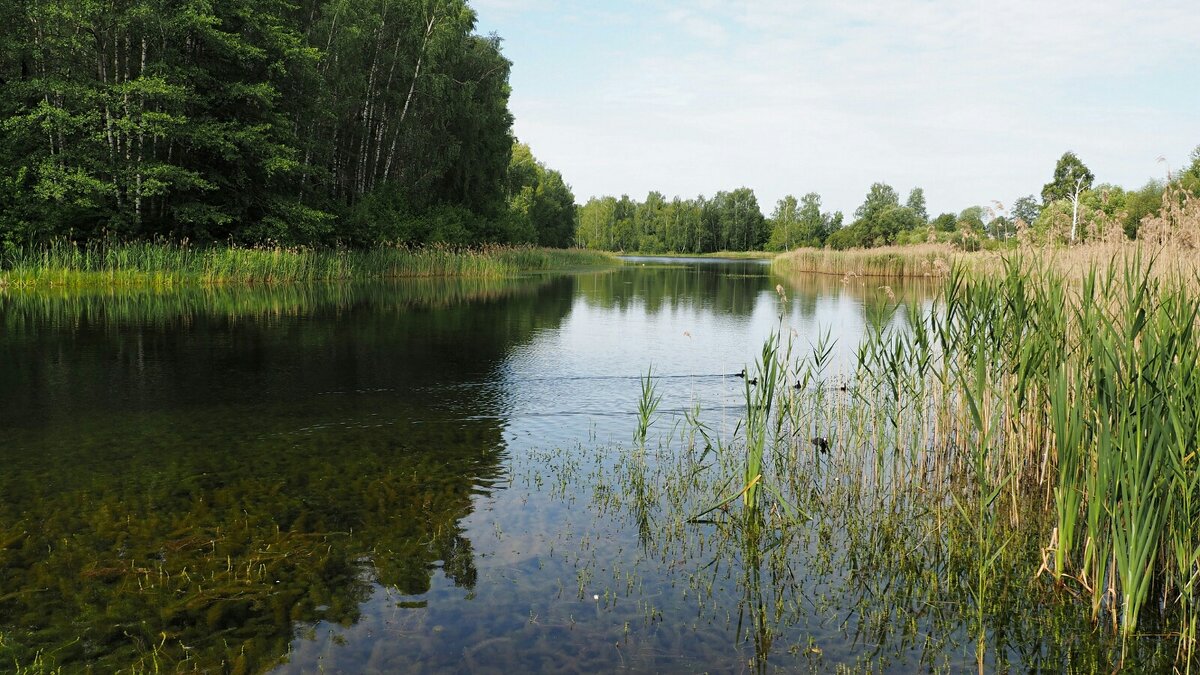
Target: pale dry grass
1168	244
1168	248
916	261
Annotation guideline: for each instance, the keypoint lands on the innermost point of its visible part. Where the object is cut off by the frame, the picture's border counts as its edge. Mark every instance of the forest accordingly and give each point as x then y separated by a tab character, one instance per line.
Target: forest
353	124
1070	207
318	122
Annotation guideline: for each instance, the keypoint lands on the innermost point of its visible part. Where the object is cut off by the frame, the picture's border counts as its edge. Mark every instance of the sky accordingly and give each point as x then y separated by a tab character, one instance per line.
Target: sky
972	101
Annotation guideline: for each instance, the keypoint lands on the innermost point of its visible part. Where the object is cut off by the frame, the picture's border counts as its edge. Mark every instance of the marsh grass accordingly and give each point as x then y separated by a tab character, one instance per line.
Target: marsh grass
158	264
1023	406
922	260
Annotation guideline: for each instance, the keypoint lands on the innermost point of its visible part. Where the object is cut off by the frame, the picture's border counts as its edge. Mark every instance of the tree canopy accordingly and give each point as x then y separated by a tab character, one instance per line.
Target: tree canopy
729	221
1069	173
321	121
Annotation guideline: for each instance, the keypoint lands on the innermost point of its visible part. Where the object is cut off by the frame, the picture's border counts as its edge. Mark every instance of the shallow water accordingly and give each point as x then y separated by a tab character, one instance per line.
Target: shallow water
421	476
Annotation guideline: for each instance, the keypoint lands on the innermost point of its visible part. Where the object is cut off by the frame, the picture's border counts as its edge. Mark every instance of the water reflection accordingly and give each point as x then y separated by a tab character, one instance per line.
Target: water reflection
655	284
223	478
189	475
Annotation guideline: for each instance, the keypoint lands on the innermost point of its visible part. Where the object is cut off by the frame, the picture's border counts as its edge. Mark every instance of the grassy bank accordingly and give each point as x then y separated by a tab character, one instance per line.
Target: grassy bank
164	264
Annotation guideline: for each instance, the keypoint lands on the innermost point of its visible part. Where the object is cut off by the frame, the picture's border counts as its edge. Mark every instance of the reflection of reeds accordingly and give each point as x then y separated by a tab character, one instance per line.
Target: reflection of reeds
31	307
63	263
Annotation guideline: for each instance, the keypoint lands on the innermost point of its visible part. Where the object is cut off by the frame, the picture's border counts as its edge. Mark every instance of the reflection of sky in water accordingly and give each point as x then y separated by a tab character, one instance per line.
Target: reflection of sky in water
326	385
583	377
538	545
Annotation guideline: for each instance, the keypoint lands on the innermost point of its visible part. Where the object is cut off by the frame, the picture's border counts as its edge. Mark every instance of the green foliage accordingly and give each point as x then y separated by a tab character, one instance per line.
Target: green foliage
1139	204
881	198
972	218
799	224
1026	209
880	220
1069	173
916	203
334	122
65	264
945	222
541	205
1001	227
1189	179
730	221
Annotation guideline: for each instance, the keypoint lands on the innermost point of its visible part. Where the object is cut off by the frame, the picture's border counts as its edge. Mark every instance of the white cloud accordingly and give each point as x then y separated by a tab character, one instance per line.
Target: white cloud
972	101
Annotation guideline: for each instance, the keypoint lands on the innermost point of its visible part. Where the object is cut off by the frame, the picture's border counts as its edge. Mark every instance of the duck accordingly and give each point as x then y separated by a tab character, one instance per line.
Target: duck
821	442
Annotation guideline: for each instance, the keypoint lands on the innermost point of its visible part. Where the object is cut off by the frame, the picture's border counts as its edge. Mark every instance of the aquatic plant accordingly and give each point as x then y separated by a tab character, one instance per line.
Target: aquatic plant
1041	407
156	264
647	404
924	260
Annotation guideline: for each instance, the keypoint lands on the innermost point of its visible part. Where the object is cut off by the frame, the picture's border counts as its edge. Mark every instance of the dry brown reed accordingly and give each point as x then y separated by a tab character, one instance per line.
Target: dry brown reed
1168	248
919	260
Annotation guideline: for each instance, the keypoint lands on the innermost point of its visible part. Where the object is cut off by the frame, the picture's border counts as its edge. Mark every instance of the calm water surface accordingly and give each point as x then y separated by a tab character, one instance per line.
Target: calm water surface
397	477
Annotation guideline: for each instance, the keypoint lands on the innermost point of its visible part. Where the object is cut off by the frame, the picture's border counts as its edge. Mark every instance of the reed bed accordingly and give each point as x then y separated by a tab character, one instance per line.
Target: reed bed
64	263
922	260
1025	406
1168	247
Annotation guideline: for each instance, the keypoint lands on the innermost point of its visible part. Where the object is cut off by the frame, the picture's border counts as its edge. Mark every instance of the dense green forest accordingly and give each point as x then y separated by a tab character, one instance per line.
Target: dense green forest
308	122
733	221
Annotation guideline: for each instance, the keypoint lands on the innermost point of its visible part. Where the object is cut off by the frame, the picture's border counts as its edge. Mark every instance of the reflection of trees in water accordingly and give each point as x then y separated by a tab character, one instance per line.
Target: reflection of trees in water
183	486
727	288
78	354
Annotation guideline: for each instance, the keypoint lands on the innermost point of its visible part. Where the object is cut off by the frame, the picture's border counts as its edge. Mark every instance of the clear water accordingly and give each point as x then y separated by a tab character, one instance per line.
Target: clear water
411	477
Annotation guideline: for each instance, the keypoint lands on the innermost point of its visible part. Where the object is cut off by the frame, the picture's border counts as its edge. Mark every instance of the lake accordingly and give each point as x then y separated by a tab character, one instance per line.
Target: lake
443	476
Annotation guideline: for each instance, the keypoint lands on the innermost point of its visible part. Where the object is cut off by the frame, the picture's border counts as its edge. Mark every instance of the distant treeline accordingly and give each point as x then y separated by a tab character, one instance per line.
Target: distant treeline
309	122
733	221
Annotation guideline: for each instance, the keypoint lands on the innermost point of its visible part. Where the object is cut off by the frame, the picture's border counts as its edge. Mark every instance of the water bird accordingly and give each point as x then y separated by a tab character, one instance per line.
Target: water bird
821	443
741	374
752	381
799	385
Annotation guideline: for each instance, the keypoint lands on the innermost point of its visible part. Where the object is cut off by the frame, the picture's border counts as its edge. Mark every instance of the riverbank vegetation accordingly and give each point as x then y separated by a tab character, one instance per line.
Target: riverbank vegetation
163	264
1070	211
1169	245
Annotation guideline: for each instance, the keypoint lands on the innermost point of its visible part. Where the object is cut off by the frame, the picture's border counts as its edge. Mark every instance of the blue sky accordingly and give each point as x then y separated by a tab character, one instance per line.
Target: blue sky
972	101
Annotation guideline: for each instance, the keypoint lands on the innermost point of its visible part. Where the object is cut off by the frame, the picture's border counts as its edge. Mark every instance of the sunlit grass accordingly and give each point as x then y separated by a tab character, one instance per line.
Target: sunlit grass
923	260
159	264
